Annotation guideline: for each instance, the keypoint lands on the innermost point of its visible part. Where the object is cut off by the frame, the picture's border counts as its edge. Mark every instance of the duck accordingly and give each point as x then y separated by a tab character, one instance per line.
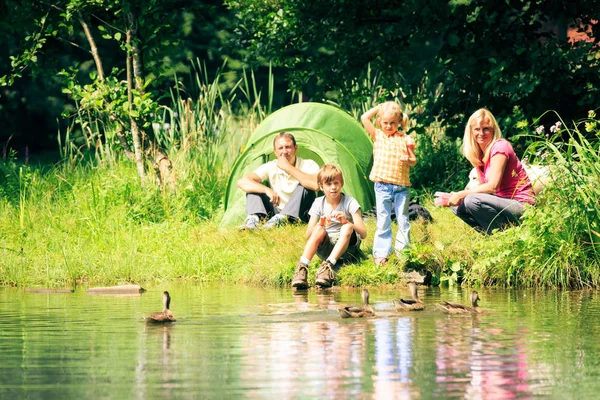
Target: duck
454	308
166	315
413	304
358	312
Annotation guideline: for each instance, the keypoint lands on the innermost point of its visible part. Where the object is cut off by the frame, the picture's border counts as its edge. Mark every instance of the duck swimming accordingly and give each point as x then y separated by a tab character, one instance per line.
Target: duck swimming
413	304
358	312
166	315
454	308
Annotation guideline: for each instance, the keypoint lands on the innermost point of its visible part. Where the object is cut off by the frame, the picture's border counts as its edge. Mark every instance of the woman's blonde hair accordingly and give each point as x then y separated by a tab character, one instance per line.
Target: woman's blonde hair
470	148
328	173
392	108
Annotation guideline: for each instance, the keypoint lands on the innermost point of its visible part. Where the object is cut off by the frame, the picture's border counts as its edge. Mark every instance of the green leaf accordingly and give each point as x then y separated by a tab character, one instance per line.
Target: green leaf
453	40
118	36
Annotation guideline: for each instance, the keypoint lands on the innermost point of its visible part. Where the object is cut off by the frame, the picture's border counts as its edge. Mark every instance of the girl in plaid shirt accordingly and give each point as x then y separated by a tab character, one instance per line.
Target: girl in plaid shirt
393	155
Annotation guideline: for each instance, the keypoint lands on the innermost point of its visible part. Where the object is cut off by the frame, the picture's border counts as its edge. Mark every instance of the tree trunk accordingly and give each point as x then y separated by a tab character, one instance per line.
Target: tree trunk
100	70
158	157
137	144
93	47
122	139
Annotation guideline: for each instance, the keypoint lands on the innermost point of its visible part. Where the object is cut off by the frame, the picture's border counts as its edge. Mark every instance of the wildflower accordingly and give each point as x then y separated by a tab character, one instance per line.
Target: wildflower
522	124
591	114
556	127
540	129
590	126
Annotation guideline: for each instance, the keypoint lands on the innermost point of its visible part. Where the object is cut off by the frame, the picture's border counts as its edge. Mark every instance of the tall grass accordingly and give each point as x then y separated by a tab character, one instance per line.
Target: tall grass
557	245
100	227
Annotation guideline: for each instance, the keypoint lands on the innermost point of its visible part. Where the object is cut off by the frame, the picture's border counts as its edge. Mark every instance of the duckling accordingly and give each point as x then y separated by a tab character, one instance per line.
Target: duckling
414	304
358	312
453	308
166	315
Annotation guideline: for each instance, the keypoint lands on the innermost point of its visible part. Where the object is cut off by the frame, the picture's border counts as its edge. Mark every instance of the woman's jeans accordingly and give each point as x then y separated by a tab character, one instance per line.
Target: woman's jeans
486	212
387	194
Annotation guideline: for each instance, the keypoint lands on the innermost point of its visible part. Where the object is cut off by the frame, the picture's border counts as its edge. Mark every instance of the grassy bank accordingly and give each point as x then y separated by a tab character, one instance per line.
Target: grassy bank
89	221
99	227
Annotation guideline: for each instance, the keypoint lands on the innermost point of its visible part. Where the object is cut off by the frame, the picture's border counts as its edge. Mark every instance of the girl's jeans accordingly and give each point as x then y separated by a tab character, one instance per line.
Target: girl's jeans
385	195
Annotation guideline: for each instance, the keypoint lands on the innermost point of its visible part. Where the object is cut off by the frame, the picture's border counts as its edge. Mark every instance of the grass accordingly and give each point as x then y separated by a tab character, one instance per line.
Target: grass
98	227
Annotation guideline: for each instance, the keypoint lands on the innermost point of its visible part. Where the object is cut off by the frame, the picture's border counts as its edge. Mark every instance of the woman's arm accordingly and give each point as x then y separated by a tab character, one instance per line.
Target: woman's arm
496	172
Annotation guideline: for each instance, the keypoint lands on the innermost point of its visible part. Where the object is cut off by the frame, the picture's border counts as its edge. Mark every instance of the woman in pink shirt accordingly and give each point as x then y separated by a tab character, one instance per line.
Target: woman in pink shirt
504	187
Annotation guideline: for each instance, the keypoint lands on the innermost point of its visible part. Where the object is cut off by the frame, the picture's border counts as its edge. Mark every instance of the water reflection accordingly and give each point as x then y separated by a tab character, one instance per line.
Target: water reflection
248	342
304	359
393	359
480	363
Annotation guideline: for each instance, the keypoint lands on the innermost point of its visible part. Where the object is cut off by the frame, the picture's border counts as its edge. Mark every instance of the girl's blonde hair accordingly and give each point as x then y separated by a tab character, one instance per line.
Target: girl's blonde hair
328	173
392	108
470	148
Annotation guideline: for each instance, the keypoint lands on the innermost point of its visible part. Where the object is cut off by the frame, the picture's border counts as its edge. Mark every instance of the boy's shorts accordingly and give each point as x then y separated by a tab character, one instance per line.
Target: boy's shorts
352	252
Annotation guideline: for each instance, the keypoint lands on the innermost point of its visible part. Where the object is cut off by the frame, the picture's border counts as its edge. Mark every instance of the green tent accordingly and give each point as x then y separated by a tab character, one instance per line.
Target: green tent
323	133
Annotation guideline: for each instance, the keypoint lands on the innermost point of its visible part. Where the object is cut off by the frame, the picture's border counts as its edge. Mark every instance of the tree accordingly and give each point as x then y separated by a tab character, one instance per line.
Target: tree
135	46
450	56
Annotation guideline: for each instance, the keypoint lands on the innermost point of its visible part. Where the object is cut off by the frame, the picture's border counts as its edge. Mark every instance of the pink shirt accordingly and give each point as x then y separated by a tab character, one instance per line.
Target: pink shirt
515	183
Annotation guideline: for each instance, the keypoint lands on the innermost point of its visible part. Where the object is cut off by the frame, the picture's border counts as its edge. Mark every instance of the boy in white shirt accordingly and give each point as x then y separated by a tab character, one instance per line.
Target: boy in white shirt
335	229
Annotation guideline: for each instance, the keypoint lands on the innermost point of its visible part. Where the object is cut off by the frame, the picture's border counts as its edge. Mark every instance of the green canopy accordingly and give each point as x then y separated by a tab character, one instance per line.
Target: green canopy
324	134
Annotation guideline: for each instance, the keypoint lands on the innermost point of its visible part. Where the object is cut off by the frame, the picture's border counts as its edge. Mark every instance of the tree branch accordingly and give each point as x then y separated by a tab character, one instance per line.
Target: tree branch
93	48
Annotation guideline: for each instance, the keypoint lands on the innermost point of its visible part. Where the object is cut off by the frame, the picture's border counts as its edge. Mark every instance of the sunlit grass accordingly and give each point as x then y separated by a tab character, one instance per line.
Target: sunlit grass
99	227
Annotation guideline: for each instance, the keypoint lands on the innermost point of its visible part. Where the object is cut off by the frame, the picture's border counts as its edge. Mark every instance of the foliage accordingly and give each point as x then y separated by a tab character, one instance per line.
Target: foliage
558	242
456	50
40	39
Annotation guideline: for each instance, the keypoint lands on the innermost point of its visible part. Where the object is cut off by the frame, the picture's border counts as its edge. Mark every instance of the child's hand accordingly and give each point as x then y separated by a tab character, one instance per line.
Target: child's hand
324	220
339	216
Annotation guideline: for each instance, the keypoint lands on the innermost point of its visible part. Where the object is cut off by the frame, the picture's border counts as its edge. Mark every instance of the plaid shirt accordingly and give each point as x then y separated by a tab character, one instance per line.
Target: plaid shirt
387	166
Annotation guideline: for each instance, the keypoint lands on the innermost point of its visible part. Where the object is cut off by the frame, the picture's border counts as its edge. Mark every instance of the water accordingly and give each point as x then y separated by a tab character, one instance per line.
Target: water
241	342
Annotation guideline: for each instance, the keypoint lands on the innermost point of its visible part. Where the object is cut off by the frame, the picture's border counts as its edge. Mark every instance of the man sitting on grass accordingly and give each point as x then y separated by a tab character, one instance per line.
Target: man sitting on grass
292	181
335	229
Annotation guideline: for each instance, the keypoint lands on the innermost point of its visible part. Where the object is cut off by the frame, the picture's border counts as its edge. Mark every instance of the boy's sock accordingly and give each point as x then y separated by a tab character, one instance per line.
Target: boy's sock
331	260
304	260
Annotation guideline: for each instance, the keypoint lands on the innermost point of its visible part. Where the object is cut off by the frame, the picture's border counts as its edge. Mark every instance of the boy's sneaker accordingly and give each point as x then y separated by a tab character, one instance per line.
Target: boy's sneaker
300	276
325	275
275	221
250	223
